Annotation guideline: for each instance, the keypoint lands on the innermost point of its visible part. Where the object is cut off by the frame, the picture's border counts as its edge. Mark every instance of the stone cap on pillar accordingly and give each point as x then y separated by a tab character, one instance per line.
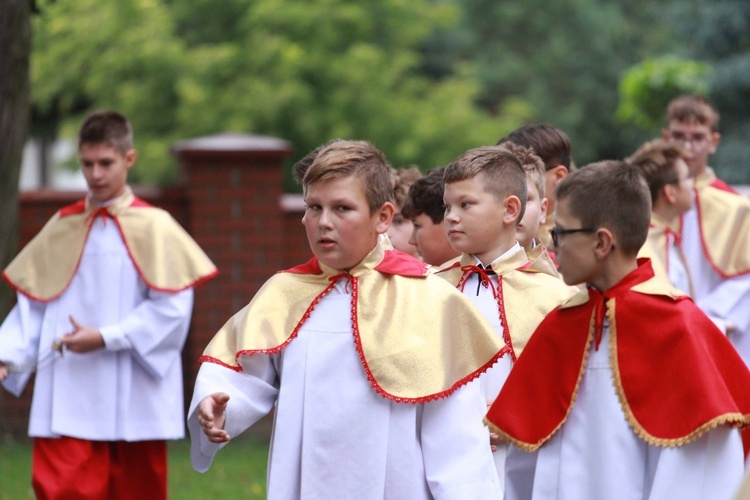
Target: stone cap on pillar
232	146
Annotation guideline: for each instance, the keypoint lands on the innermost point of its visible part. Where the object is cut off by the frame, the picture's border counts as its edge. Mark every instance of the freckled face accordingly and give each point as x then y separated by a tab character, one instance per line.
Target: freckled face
105	169
340	229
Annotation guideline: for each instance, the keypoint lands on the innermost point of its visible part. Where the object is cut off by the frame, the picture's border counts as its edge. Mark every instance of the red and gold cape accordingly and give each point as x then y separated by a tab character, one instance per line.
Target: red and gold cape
542	261
418	339
164	255
724	221
676	375
525	295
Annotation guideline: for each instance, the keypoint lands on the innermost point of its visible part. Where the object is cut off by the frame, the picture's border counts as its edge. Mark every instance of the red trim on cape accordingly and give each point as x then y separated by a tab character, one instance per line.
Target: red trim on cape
678	371
74	208
723	186
394	262
704	243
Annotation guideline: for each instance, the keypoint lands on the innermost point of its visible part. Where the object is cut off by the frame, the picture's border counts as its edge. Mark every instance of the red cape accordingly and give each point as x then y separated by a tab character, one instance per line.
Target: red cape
676	374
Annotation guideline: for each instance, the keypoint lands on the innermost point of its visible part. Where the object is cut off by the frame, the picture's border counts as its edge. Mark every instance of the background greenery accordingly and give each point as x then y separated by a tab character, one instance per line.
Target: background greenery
422	79
239	471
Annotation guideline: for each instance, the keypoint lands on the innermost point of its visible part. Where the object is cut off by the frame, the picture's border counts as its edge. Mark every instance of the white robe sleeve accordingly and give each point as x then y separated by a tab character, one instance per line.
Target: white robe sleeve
155	330
456	447
19	342
252	394
730	301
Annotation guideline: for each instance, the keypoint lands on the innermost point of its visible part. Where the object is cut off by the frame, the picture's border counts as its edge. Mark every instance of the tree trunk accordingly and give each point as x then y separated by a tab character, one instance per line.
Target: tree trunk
15	40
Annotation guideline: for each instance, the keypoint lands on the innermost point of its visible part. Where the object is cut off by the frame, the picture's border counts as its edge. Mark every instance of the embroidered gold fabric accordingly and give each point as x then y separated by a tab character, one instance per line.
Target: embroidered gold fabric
166	257
419	336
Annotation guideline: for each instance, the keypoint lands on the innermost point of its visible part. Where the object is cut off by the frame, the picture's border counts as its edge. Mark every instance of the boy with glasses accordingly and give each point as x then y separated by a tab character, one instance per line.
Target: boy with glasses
716	231
627	390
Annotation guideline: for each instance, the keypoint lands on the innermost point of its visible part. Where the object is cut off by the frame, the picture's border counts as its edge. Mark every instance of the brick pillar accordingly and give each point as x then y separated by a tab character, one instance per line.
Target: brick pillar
233	184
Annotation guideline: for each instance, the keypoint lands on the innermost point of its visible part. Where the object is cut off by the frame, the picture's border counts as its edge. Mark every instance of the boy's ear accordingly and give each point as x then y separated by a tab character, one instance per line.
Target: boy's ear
668	192
715	138
130	157
559	172
512	213
543	211
605	243
385	216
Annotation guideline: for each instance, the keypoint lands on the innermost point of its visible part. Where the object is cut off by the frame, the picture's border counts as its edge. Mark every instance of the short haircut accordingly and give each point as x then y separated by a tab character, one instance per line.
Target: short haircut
532	165
341	158
548	142
610	194
403	179
426	197
657	162
502	169
693	107
106	127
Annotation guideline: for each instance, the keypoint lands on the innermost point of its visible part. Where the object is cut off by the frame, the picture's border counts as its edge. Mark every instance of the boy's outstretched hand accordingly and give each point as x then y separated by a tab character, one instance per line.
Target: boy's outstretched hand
82	338
211	413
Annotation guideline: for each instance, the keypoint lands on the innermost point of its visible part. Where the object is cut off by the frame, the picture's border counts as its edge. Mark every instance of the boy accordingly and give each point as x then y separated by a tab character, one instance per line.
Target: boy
365	357
108	282
424	207
401	228
662	164
485	196
716	232
535	213
553	147
628	390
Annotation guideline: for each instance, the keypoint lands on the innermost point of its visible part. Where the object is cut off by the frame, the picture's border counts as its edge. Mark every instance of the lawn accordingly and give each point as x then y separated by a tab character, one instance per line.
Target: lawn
239	471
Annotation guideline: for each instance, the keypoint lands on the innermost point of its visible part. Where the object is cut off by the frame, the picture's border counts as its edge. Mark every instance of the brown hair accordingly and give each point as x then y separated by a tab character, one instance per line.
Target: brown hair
657	162
403	180
532	166
426	197
610	194
695	107
547	141
341	158
502	169
106	127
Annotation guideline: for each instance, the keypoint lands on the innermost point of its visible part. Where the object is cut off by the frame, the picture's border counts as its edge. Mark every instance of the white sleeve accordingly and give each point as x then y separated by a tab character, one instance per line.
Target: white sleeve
730	301
19	341
456	447
155	330
252	394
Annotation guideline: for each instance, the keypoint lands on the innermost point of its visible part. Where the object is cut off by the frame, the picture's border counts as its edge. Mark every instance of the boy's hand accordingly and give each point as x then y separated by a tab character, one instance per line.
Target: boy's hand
3	371
211	413
82	339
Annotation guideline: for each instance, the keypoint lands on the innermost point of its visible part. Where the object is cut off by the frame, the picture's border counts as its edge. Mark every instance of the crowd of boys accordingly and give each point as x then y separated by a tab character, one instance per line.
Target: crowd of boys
432	347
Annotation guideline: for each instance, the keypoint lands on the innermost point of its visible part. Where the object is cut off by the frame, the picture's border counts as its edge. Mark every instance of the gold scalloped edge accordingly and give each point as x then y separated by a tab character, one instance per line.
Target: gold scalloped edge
532	447
734	419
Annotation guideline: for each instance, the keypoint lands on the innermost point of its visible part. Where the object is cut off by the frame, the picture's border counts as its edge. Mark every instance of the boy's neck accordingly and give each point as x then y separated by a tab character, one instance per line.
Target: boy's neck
487	258
613	270
666	212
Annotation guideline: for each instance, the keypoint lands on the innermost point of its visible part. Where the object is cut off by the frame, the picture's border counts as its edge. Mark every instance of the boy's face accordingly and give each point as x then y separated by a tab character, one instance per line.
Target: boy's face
574	252
474	219
682	190
695	137
535	214
431	241
340	229
400	234
105	169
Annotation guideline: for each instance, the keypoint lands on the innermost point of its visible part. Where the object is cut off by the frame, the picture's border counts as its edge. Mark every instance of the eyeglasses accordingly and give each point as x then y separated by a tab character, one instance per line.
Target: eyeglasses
696	141
556	232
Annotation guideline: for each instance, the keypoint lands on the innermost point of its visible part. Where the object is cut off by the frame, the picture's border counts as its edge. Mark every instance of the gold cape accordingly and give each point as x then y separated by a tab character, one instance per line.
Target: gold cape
164	255
542	233
541	261
525	297
724	219
656	247
418	338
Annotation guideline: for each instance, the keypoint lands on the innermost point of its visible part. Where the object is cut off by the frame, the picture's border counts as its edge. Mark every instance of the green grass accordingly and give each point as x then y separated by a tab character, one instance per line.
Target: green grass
239	471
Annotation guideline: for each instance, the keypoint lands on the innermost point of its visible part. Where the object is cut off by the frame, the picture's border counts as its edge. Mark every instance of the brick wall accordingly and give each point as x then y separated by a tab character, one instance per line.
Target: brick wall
232	202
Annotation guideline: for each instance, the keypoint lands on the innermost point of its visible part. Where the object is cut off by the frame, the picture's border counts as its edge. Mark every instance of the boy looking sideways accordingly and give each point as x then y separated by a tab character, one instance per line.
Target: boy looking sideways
628	390
400	230
424	207
716	231
108	281
485	196
371	390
